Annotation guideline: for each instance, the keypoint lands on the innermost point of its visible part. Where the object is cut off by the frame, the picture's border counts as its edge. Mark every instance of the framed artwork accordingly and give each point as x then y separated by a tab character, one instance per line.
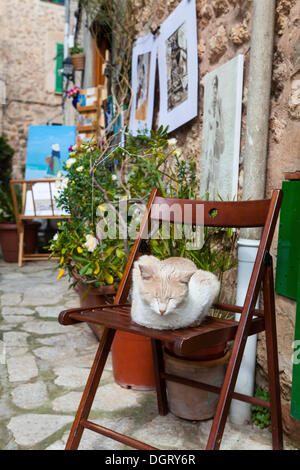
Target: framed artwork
47	149
178	66
143	81
223	88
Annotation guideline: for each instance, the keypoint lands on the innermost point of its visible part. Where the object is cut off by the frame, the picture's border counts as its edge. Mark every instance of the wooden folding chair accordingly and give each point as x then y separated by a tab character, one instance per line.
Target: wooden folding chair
262	213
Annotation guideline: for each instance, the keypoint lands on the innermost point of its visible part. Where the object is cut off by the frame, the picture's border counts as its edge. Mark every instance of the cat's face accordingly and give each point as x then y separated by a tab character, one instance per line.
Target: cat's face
163	292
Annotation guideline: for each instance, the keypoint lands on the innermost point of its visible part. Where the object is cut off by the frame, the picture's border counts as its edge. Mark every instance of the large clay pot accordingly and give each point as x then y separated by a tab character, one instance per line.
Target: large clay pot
132	361
188	402
10	242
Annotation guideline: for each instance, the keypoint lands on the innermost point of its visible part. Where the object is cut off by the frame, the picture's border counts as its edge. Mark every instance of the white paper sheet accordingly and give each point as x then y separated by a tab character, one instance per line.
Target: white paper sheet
40	203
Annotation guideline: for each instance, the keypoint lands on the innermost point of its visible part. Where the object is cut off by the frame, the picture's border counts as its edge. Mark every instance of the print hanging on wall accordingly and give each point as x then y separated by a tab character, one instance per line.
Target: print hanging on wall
143	80
178	66
223	90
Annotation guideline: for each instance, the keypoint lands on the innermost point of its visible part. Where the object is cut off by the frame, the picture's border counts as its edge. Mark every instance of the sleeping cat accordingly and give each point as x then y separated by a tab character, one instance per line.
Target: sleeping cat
171	293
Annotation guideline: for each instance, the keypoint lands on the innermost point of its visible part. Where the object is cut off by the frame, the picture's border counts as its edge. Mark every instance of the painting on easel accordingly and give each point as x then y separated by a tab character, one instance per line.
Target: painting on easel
47	149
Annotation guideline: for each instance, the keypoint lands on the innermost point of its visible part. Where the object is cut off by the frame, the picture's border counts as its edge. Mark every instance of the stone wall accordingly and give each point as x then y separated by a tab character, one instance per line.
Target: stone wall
30	30
224	30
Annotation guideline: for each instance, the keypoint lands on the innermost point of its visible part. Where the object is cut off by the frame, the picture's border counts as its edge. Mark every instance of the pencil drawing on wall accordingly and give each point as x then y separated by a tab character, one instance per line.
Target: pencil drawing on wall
221	130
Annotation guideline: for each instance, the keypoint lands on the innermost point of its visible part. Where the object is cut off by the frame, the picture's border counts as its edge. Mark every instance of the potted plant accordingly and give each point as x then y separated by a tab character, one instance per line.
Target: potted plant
77	57
97	180
8	228
74	93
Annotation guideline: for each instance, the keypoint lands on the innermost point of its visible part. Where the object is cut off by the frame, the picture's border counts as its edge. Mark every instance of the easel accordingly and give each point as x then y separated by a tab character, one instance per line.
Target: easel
26	185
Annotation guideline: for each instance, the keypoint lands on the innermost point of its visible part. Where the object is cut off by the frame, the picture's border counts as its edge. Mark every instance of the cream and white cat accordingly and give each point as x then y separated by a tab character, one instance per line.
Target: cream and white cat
171	293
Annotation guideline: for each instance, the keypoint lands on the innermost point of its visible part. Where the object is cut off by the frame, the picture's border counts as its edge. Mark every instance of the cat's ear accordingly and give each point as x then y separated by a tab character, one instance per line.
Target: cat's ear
146	272
185	277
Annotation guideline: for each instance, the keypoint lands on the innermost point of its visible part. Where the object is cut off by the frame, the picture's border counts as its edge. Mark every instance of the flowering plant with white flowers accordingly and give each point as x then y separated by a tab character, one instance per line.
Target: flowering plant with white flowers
99	181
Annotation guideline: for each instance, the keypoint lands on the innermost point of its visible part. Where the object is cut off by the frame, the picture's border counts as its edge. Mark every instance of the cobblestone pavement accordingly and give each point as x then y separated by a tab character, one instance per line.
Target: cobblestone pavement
44	366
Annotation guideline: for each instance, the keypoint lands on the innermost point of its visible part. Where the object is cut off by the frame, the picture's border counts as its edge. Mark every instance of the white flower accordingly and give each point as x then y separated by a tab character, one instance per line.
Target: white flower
74	147
55	236
79	168
114	177
59	174
70	162
172	141
177	152
61	183
91	243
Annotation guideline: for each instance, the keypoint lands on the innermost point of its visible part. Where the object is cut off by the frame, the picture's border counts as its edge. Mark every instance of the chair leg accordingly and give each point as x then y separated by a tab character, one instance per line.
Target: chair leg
228	386
90	388
272	359
160	383
21	244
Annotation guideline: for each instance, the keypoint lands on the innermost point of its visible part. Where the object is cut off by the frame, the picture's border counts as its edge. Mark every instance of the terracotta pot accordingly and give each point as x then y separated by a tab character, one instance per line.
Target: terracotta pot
90	297
132	361
78	61
188	402
93	297
10	243
205	354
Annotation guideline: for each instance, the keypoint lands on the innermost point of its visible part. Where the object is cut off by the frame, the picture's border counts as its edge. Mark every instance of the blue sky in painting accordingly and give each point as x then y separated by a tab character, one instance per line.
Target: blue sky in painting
39	147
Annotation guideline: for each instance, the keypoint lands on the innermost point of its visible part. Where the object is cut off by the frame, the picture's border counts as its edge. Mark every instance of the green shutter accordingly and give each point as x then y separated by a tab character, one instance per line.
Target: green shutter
288	253
288	272
59	66
295	398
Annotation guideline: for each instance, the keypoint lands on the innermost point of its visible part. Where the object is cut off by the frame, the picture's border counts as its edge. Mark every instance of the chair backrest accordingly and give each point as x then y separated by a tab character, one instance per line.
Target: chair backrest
260	213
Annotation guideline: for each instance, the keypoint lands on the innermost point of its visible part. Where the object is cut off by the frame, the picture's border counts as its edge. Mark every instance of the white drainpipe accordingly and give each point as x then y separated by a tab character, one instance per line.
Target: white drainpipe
254	165
240	412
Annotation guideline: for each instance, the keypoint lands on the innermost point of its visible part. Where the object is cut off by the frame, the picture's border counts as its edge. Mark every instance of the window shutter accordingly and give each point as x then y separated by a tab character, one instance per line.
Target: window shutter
59	66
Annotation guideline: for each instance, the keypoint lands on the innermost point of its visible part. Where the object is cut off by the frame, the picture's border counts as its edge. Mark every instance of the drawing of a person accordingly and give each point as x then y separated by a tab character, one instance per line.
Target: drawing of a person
53	161
215	138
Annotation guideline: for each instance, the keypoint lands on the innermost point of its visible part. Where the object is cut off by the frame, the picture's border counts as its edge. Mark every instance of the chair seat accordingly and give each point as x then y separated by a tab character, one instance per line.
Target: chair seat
212	331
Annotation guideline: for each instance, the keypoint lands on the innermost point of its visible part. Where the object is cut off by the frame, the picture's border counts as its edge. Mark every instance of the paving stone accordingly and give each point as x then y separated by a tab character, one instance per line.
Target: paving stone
108	398
43	327
14	320
50	311
79	339
15	339
30	396
41	296
74	377
13	311
21	368
30	429
93	441
167	432
12	352
11	299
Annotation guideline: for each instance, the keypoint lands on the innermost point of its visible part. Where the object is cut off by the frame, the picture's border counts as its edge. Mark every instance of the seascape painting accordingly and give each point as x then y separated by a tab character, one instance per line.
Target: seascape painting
47	149
221	131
